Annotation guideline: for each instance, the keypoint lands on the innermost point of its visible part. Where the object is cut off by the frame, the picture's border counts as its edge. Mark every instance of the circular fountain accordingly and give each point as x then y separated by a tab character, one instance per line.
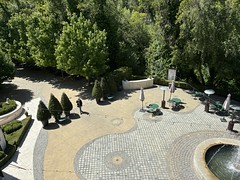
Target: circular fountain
218	158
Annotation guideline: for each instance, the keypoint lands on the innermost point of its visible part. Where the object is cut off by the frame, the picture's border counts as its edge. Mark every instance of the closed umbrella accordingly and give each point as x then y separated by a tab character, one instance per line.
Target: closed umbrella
172	89
226	104
141	97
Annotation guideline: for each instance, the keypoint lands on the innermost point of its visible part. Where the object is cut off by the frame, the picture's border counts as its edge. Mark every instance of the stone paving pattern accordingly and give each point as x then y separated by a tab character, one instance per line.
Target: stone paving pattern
148	146
113	141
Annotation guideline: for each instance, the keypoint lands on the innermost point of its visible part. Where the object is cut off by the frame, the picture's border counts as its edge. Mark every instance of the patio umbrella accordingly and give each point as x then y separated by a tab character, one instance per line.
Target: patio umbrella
172	89
141	97
226	104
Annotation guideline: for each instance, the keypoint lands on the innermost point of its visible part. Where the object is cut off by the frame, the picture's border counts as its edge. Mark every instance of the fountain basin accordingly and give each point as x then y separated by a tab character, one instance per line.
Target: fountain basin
200	165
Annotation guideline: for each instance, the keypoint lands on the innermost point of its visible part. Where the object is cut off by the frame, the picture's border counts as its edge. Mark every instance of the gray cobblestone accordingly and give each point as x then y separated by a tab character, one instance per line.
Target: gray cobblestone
158	148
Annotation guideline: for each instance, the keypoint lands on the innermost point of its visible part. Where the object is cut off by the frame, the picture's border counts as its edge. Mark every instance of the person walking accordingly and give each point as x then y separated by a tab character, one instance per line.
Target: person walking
79	105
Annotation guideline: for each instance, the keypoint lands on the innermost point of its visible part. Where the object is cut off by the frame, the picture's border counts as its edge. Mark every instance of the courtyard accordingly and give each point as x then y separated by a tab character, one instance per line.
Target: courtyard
112	140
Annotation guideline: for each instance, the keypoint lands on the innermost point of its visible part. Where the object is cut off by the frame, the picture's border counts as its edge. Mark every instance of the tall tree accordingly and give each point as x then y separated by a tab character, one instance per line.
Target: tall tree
7	68
209	39
81	49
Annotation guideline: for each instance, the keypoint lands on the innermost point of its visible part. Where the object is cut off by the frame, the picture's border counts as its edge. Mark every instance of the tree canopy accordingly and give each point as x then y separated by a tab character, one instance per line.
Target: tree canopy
201	38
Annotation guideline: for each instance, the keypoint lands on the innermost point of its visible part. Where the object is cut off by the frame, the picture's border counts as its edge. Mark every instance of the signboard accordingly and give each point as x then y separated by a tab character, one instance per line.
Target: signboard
171	74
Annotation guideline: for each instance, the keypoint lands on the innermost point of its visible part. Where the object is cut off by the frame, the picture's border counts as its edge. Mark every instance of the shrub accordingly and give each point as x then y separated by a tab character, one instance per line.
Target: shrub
105	87
112	84
43	113
120	74
7	107
12	126
66	104
55	107
2	155
97	91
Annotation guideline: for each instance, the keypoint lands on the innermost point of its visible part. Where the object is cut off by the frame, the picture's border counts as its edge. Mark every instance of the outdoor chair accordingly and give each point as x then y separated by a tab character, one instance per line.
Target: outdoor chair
157	112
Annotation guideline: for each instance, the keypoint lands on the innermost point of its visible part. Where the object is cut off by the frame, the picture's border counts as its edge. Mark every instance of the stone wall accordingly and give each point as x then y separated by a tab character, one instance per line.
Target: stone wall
137	84
12	115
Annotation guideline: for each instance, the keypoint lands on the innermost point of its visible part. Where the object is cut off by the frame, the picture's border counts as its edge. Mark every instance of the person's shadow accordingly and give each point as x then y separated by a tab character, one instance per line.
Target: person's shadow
85	112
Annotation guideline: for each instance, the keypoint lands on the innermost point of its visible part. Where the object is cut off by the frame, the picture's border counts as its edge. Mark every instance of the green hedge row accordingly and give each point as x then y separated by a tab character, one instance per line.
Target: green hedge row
14	139
6	107
11	126
178	84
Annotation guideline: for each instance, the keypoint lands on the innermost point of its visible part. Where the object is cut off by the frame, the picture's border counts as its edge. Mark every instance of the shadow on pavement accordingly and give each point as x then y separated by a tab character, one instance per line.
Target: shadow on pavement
52	126
74	116
10	91
40	75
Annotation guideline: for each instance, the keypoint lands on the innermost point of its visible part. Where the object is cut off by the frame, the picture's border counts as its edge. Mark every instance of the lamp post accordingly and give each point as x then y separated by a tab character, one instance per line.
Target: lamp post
208	92
164	88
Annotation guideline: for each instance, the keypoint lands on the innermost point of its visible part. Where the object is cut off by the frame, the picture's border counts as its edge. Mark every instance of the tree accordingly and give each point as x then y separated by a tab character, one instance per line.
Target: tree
112	84
42	32
81	49
43	114
7	68
66	104
97	91
104	87
55	107
209	40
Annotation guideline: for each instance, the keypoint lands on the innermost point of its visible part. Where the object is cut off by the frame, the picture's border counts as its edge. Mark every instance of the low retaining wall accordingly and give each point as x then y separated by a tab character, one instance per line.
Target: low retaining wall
12	115
137	84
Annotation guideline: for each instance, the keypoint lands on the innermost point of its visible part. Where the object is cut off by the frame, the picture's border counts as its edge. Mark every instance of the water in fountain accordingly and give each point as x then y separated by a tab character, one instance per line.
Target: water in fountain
224	161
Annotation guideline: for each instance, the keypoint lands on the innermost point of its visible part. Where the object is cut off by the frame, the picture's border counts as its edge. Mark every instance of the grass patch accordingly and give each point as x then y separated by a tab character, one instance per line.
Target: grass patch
14	139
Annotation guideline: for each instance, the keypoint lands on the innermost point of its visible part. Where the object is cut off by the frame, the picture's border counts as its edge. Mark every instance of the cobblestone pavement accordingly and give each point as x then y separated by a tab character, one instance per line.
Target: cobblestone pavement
143	153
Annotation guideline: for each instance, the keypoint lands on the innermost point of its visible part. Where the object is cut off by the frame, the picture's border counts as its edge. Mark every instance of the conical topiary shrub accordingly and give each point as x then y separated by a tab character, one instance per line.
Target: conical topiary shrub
104	87
66	104
112	84
97	91
43	113
55	107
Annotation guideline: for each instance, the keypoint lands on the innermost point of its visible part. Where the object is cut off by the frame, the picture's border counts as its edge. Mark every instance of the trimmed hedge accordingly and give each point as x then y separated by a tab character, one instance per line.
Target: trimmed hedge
6	107
12	126
178	84
14	139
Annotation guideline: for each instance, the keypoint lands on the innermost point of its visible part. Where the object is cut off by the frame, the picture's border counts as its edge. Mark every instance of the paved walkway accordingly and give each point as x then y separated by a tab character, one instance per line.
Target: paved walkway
112	140
21	166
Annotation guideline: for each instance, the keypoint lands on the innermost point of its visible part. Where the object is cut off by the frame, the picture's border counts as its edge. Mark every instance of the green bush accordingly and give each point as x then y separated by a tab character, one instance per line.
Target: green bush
97	91
14	139
55	107
66	104
7	107
2	155
12	126
123	73
105	87
111	84
43	113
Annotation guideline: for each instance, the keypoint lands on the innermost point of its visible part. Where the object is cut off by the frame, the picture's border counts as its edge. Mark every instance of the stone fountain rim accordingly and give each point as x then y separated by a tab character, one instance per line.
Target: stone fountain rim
200	166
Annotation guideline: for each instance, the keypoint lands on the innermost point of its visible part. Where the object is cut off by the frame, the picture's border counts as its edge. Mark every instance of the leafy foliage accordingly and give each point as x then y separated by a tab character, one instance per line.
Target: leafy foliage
7	68
66	104
55	107
97	91
81	49
43	113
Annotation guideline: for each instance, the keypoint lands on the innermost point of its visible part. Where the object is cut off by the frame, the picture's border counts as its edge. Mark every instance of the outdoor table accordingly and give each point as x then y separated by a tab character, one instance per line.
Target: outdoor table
176	101
235	109
164	88
153	106
208	92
